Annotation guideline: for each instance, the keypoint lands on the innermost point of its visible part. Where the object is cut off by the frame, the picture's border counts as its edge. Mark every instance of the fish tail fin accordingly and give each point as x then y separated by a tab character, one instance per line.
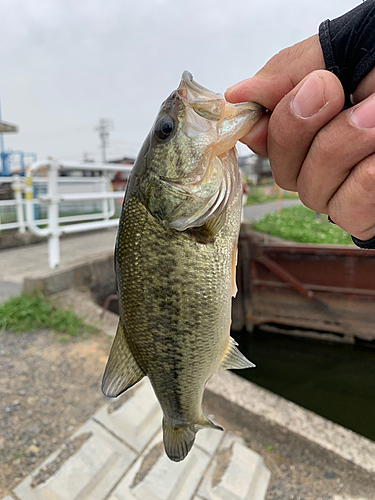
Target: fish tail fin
179	441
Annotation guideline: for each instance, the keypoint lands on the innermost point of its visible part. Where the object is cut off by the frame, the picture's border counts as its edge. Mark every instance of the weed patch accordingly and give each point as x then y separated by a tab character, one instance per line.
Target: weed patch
30	312
301	225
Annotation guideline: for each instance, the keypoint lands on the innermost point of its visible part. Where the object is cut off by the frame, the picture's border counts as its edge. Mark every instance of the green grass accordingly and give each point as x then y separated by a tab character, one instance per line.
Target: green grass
300	224
30	312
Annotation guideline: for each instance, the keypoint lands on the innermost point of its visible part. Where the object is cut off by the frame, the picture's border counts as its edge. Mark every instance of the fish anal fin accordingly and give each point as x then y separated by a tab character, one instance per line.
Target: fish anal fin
208	231
122	370
233	359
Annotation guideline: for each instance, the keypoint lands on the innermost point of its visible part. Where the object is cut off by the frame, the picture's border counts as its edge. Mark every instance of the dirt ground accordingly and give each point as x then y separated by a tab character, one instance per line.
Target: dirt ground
49	387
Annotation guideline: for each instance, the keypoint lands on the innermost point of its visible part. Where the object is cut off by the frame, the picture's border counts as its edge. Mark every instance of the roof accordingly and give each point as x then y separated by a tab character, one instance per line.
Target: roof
7	127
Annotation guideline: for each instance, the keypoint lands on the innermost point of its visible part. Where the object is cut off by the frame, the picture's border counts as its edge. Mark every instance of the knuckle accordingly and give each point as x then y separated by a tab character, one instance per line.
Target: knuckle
322	146
366	176
283	181
311	197
307	200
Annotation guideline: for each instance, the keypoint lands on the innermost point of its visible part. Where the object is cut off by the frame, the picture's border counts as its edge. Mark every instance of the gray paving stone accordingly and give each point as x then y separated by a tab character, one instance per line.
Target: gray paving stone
236	473
9	289
137	420
155	477
89	474
209	439
8	498
262	483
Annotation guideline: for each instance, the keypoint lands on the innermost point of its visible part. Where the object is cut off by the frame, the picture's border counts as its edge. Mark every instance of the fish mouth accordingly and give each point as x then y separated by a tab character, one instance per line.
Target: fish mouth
188	84
212	105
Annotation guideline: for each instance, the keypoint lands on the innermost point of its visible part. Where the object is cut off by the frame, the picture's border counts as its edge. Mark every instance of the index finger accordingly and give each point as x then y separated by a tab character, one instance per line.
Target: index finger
273	82
280	75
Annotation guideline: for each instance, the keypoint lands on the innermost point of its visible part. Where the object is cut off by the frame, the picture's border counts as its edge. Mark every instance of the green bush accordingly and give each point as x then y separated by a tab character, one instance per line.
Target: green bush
301	225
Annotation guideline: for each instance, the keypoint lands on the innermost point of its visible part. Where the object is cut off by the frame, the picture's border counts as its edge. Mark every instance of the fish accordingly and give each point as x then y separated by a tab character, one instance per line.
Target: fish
175	259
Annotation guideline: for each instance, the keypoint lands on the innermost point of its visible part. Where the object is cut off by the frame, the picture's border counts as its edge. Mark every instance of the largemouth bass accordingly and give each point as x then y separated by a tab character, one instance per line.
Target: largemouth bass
175	258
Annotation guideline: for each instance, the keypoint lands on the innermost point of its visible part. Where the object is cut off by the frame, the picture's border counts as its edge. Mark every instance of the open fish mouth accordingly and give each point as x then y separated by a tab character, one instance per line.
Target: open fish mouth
198	177
209	104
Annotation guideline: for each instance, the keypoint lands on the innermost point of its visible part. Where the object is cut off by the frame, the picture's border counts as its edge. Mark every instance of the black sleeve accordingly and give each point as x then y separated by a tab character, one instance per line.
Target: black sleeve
368	245
348	44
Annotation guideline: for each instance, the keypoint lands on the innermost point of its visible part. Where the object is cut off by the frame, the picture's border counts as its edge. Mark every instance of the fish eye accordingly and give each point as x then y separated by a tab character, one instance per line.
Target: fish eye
164	128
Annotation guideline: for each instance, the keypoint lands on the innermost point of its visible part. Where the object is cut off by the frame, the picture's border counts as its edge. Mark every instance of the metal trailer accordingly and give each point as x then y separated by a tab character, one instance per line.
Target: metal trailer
321	291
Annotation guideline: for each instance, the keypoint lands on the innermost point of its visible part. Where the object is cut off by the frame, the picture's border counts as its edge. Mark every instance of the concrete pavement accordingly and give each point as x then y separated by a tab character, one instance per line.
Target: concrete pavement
119	455
256	212
32	260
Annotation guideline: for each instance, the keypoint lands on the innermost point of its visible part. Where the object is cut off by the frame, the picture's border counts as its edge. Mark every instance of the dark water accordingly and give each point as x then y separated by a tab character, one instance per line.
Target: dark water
334	380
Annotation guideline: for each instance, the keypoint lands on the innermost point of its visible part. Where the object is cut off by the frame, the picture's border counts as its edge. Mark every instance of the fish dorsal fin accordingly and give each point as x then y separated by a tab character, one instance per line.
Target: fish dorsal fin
122	370
234	359
207	232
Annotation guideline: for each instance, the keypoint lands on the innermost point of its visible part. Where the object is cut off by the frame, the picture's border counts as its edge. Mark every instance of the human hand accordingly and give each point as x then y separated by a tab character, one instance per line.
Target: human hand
325	154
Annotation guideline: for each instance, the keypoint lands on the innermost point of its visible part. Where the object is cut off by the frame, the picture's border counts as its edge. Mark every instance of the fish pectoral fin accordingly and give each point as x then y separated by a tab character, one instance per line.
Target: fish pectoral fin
207	232
122	370
234	359
178	441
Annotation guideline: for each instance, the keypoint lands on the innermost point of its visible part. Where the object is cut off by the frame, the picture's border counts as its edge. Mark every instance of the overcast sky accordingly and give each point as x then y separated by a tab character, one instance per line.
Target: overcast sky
66	63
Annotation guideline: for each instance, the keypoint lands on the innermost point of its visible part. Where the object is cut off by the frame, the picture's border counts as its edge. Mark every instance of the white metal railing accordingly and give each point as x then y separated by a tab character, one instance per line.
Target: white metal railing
17	203
53	198
15	208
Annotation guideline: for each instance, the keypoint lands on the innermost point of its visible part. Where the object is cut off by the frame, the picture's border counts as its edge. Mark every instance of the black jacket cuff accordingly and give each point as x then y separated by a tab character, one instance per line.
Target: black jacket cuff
368	245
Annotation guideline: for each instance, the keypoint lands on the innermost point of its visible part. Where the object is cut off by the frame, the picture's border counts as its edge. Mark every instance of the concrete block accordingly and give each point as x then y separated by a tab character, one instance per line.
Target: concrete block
137	421
155	477
89	474
236	473
208	440
9	289
261	485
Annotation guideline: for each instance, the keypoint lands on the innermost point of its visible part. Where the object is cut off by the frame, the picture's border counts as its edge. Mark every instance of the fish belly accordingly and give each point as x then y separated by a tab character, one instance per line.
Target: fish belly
175	301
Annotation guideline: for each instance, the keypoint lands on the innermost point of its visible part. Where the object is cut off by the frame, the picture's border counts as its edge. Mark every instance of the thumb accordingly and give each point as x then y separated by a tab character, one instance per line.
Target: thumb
280	75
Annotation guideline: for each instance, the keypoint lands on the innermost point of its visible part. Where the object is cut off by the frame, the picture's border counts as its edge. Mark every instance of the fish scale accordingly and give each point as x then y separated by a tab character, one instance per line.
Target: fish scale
175	259
194	285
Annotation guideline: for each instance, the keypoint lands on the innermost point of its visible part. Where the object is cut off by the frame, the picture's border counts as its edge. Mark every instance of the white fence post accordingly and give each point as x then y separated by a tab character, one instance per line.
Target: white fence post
53	216
17	188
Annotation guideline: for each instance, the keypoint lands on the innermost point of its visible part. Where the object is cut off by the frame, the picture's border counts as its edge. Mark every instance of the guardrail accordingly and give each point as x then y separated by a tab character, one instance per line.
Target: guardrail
14	209
17	203
53	200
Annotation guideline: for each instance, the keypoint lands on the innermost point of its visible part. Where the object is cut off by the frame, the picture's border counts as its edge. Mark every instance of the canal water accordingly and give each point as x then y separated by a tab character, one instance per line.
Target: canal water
336	381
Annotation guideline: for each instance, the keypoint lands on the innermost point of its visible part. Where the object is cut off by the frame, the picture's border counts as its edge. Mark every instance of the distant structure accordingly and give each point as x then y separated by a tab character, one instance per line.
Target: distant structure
9	158
5	160
120	180
255	167
105	125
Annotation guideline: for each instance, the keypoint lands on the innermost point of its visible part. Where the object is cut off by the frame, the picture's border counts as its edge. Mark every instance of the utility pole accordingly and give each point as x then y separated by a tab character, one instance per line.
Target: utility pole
2	159
103	129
